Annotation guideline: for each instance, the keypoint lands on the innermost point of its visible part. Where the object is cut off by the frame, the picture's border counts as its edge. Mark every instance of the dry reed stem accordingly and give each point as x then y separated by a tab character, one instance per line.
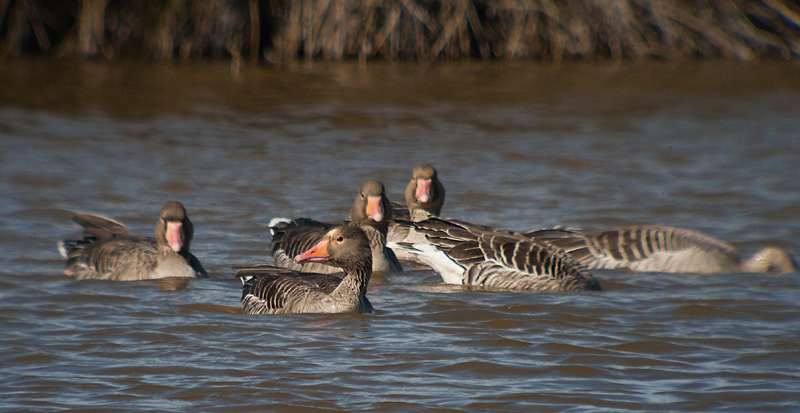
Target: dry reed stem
477	30
91	28
255	31
23	17
407	29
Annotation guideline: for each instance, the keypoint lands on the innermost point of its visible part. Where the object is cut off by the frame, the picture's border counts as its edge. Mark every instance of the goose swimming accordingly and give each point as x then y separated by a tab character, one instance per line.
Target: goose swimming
108	251
371	211
470	254
275	290
653	248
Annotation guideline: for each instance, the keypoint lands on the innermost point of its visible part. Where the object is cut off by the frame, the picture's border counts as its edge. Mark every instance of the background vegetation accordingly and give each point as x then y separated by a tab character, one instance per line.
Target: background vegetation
284	30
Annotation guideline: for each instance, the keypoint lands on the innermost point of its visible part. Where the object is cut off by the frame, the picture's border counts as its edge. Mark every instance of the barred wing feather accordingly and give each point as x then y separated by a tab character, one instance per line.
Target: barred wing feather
268	289
476	255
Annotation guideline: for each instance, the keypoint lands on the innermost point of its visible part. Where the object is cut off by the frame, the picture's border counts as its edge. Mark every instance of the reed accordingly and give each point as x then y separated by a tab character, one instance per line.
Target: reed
286	30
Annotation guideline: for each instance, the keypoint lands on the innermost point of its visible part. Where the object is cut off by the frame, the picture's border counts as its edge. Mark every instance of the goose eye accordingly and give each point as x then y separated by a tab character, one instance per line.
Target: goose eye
362	195
339	238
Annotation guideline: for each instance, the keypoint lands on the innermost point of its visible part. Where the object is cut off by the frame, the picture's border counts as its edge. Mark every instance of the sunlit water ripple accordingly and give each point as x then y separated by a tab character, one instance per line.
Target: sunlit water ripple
518	147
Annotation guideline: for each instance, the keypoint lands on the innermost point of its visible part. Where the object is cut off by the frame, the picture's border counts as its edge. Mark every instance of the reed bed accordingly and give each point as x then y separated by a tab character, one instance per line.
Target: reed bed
285	30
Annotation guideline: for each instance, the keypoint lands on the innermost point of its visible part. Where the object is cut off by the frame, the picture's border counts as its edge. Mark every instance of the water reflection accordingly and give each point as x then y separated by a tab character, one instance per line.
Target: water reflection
172	283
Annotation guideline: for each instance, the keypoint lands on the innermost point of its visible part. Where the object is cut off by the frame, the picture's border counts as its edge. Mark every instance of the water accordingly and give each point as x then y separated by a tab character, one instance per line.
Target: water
711	146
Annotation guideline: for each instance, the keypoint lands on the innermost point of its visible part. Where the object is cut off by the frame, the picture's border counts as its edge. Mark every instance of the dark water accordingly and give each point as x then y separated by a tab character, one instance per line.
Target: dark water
712	146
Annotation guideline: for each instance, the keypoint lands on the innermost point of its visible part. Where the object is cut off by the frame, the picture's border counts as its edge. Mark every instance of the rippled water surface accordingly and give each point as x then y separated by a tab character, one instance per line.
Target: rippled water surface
714	147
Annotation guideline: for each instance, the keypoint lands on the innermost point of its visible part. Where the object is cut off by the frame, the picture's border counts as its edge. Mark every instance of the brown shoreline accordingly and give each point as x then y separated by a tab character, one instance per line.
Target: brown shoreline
278	31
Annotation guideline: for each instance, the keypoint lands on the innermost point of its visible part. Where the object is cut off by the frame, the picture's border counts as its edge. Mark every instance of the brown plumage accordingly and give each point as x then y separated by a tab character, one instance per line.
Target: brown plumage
371	211
424	199
651	248
424	195
274	290
470	254
108	251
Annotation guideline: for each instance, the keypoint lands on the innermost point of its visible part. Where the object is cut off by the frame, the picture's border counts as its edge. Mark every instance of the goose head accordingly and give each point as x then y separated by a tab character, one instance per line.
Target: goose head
174	229
770	260
371	205
345	247
425	191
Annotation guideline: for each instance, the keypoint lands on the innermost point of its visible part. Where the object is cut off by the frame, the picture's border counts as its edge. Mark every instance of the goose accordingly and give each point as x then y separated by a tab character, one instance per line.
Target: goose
653	248
424	199
424	195
108	251
371	211
470	254
274	290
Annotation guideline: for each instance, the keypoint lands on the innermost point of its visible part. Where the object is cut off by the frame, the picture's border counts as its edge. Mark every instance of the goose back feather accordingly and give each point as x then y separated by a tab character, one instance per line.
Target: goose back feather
292	237
471	254
371	211
651	248
273	290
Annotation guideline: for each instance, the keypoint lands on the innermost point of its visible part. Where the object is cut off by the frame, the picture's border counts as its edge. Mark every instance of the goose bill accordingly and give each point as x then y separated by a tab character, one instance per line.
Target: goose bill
317	253
375	208
175	236
424	191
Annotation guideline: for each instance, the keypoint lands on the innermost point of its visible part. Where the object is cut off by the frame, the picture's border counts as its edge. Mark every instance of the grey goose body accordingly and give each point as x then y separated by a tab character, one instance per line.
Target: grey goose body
108	251
470	254
371	211
654	248
424	196
274	290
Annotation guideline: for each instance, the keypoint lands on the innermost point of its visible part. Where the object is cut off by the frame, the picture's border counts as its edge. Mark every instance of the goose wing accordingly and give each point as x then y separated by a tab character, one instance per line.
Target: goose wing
506	260
572	241
477	255
291	238
268	289
96	228
101	228
399	211
125	258
660	249
419	242
449	232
